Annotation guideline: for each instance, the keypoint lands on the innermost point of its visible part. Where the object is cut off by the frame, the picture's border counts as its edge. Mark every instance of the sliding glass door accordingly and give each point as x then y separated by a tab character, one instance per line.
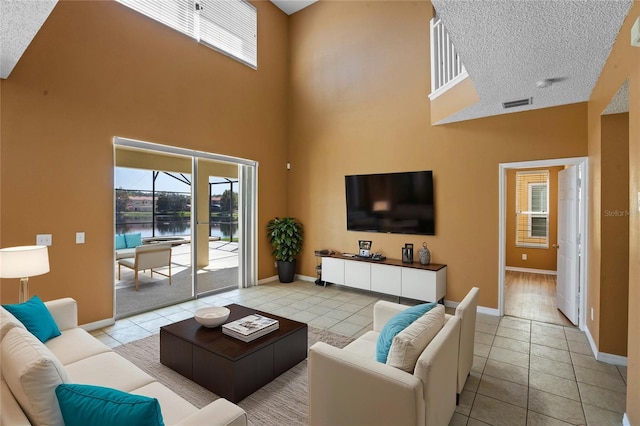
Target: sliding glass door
201	205
217	226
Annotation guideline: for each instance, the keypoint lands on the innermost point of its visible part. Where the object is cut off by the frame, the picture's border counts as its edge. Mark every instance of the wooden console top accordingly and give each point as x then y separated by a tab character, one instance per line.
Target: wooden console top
391	262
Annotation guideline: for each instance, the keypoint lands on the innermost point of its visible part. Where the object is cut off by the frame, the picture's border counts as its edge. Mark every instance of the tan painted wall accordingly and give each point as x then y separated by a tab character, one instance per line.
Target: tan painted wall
90	75
537	258
614	272
359	86
623	63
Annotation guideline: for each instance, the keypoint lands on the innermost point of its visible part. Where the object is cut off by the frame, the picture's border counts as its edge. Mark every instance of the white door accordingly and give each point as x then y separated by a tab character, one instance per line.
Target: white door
568	244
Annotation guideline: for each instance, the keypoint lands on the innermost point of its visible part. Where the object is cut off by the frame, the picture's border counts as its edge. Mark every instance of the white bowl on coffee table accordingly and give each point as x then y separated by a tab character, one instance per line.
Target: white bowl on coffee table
212	316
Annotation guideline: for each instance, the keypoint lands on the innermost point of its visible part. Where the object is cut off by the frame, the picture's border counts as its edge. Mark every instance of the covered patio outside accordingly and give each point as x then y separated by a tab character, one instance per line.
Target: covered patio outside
221	273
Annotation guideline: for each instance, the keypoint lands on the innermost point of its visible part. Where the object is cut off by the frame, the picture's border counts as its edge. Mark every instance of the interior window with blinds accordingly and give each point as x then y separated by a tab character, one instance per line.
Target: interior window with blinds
532	209
228	26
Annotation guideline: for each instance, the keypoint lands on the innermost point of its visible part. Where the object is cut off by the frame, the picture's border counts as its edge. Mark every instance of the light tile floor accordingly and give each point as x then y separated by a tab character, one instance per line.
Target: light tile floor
524	373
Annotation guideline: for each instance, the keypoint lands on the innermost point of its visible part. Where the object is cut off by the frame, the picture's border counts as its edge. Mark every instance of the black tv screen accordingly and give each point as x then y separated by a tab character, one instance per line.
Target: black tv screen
398	203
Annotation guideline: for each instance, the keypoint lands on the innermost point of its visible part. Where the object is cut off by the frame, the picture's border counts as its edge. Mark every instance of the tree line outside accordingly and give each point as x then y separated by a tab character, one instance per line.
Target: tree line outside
175	203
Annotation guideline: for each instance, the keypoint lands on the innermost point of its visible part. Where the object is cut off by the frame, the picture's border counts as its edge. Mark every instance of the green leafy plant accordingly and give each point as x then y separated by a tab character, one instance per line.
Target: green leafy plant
285	236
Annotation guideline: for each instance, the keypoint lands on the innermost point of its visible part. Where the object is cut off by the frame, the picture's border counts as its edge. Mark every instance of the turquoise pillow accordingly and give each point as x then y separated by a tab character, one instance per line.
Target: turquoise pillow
396	324
133	240
99	406
120	242
36	318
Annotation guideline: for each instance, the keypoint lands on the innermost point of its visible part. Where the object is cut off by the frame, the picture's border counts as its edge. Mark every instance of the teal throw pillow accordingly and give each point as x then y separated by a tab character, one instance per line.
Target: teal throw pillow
36	318
133	240
396	324
121	242
83	405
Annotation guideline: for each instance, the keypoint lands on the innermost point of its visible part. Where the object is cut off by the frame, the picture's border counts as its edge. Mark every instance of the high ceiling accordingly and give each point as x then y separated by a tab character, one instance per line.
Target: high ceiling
292	6
19	23
506	45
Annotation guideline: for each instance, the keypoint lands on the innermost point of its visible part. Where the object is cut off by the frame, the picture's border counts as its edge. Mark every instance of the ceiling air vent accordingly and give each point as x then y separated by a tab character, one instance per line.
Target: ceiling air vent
519	102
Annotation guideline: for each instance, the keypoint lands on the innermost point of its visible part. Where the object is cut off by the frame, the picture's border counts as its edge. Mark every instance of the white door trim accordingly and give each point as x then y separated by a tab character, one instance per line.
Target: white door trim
584	228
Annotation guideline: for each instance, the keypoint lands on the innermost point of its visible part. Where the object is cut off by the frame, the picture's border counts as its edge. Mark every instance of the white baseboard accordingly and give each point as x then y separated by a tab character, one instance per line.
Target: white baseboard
531	271
305	278
268	280
98	324
592	342
488	311
603	356
481	309
625	420
611	358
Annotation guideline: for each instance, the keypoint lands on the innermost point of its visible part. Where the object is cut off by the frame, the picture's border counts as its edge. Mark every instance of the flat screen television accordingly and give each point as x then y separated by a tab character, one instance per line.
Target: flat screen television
397	203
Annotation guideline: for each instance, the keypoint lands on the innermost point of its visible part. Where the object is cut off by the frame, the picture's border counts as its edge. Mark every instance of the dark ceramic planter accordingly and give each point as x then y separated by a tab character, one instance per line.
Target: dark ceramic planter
286	271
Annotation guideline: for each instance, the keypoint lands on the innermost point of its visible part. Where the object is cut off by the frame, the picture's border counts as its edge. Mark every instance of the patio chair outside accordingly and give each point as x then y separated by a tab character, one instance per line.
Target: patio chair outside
148	256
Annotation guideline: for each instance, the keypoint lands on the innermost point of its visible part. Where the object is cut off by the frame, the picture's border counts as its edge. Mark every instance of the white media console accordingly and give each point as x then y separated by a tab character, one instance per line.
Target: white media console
410	280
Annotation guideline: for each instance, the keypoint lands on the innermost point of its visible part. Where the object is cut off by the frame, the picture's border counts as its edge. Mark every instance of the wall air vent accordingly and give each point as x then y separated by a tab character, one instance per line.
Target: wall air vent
519	102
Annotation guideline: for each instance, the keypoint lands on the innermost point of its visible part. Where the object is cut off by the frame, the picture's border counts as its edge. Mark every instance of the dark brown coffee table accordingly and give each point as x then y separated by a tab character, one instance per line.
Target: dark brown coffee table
229	367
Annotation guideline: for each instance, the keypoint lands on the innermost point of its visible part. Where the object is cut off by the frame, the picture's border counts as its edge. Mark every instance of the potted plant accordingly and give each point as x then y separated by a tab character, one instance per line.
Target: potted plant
285	236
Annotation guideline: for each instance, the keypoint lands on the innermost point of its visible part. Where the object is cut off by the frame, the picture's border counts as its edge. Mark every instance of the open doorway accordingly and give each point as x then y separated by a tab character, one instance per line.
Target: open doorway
536	273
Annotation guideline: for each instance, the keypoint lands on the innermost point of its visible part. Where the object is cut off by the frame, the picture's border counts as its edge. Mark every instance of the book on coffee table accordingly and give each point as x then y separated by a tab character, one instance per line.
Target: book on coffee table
250	327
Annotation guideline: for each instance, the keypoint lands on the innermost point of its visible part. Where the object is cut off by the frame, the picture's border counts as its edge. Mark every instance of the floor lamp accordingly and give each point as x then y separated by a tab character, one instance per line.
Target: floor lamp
23	262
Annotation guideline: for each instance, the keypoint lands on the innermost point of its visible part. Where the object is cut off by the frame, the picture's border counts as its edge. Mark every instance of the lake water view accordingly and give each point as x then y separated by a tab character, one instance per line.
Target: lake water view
171	226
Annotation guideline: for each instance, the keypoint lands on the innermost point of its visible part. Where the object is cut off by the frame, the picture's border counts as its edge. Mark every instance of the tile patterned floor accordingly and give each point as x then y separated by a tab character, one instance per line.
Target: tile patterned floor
532	373
524	372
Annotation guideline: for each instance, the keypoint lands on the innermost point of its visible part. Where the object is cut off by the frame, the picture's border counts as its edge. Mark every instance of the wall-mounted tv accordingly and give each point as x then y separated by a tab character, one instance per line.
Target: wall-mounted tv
398	203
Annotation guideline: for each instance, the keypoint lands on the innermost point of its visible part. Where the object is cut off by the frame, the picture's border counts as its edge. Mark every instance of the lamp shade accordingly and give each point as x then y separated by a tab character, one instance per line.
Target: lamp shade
23	261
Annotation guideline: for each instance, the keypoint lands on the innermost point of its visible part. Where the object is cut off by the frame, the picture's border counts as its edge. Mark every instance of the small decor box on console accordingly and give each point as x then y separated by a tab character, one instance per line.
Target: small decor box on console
407	253
250	327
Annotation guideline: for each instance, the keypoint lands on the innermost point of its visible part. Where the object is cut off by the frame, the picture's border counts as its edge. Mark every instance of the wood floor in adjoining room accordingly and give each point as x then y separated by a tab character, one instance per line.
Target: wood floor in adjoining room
532	296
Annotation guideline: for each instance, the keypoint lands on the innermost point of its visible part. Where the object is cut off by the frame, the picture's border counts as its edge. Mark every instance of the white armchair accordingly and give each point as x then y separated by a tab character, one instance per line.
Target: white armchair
148	256
349	387
466	311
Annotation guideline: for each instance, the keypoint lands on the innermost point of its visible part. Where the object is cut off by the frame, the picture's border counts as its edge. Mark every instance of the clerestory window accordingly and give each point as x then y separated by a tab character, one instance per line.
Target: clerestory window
228	26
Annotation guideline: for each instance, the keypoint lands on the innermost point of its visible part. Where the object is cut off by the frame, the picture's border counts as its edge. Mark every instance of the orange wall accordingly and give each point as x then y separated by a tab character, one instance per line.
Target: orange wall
358	104
97	70
614	271
623	63
537	258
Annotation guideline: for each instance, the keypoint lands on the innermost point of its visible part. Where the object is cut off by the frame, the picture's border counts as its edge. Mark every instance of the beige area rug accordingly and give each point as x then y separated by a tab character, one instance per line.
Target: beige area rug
284	401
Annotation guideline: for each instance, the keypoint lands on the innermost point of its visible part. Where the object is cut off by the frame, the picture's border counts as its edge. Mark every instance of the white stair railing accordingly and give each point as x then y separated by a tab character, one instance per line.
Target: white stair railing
447	69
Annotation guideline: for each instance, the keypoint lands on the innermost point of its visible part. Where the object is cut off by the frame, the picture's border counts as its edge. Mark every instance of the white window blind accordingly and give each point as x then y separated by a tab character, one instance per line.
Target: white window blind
230	26
532	209
177	14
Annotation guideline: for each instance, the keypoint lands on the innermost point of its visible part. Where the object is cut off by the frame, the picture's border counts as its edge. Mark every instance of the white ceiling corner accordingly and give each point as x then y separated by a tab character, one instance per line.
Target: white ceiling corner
506	46
292	6
20	21
620	102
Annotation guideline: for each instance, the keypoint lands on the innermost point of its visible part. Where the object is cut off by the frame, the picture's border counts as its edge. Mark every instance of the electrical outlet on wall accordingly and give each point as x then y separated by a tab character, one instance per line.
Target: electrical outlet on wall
44	239
524	256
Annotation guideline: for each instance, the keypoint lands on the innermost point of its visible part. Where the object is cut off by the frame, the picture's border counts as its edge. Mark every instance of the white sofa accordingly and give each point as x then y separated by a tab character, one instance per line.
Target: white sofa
349	387
86	360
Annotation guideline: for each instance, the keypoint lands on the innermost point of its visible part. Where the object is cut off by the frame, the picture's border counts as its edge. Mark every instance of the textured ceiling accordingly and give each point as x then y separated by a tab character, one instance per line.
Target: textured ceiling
20	20
292	6
620	102
507	46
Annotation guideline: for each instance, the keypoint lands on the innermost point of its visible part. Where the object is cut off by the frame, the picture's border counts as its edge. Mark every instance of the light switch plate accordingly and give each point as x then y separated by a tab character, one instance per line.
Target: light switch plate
79	237
44	240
